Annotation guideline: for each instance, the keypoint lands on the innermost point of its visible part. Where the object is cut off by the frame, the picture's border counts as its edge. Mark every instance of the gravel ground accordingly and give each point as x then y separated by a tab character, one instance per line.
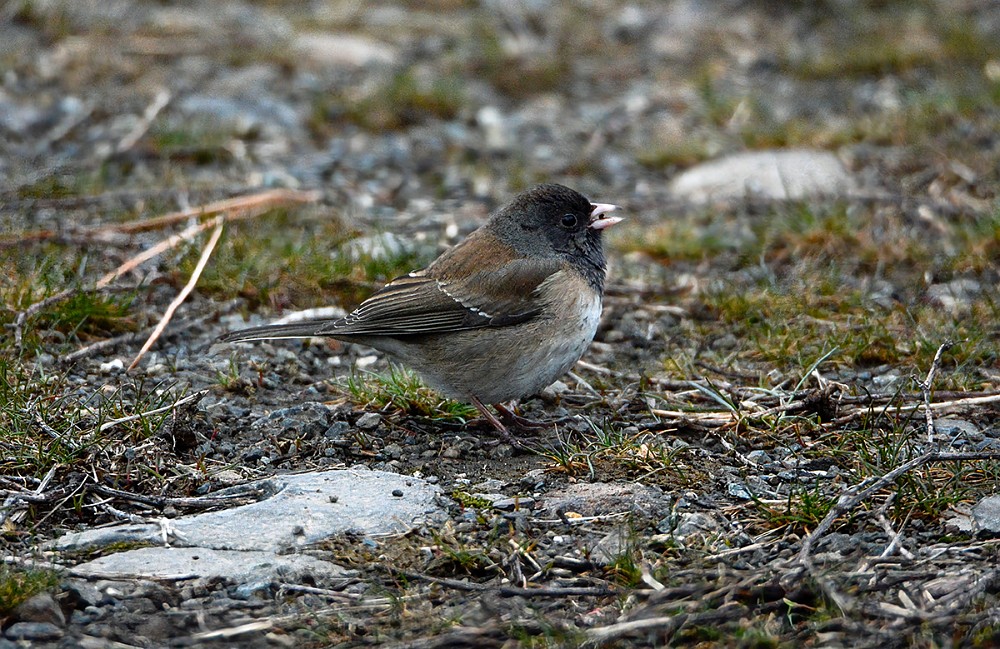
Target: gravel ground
695	486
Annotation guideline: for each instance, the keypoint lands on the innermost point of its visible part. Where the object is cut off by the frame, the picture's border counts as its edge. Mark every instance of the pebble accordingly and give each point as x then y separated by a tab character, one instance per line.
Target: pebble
33	631
369	421
40	608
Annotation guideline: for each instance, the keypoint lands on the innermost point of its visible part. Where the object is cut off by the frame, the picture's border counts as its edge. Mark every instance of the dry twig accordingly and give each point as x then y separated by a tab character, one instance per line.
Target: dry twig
169	313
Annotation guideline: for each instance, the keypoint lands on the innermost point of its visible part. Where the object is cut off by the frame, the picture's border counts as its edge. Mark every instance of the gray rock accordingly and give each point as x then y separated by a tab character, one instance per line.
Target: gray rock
773	175
591	499
958	428
40	608
611	548
307	419
369	421
986	514
955	296
33	631
343	50
515	503
695	523
241	567
363	502
738	490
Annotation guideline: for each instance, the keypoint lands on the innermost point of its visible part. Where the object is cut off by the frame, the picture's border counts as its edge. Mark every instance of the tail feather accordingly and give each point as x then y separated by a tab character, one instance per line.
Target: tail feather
306	329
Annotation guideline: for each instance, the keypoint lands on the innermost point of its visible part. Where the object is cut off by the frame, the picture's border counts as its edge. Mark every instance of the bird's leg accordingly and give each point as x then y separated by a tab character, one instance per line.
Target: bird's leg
511	417
490	417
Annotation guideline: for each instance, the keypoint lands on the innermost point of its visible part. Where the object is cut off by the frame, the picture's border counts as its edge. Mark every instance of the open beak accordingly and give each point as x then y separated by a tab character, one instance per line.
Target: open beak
598	216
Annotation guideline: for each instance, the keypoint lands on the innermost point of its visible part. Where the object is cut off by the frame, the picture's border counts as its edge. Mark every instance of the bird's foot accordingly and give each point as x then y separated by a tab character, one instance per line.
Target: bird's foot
501	429
514	420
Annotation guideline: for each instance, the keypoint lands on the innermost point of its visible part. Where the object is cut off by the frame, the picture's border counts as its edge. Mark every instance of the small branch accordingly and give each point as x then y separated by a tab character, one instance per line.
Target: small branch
169	313
508	591
149	253
163	501
662	625
852	496
180	402
159	102
234	209
925	387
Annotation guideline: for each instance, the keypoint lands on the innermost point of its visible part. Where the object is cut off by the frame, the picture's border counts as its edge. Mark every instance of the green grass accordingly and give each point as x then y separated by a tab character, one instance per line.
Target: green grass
47	421
402	100
17	585
401	390
287	264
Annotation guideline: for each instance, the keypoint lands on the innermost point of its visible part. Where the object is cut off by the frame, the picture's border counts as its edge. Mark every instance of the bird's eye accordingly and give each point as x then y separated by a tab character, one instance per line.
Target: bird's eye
568	221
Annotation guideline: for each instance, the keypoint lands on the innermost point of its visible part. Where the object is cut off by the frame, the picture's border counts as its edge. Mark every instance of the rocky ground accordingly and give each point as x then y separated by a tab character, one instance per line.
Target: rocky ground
785	434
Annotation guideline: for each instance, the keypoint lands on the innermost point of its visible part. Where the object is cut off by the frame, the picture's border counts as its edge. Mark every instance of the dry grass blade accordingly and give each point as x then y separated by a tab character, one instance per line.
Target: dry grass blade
114	422
168	243
233	209
165	320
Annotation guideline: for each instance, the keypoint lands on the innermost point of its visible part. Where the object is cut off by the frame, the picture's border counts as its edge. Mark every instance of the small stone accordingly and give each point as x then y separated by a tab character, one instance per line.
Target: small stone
113	366
695	523
958	428
986	513
738	490
398	493
611	548
515	503
33	631
40	608
369	421
955	296
343	50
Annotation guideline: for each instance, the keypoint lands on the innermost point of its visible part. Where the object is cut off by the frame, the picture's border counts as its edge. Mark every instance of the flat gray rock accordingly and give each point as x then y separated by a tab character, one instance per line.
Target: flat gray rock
305	508
986	514
773	175
602	498
242	567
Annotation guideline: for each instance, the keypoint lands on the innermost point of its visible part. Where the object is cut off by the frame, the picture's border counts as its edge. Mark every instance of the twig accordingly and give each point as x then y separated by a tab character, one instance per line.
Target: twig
159	102
664	625
233	631
925	387
322	592
149	253
18	516
64	294
169	313
854	495
163	501
898	410
508	591
180	402
234	209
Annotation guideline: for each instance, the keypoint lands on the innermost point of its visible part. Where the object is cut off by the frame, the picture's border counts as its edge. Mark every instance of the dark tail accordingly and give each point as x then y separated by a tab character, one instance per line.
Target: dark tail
306	329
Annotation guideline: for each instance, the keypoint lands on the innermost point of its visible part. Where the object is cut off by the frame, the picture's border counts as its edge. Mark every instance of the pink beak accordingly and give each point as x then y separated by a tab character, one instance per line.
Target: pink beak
598	220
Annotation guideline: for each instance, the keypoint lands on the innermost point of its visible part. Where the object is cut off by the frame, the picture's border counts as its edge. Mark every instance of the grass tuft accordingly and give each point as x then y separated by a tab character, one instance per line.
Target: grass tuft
401	390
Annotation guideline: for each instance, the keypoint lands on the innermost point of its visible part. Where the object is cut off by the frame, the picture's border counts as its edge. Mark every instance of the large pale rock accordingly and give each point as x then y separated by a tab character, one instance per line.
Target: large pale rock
343	50
174	563
773	175
304	508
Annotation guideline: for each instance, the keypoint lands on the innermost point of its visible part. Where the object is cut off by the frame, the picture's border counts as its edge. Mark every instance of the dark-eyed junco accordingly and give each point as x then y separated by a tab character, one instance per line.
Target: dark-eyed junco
498	317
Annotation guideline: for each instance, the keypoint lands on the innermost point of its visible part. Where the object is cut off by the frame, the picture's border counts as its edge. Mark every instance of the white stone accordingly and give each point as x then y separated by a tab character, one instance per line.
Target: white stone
774	175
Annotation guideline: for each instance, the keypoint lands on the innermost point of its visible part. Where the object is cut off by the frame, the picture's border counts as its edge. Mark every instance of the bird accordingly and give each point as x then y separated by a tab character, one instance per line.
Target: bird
496	318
